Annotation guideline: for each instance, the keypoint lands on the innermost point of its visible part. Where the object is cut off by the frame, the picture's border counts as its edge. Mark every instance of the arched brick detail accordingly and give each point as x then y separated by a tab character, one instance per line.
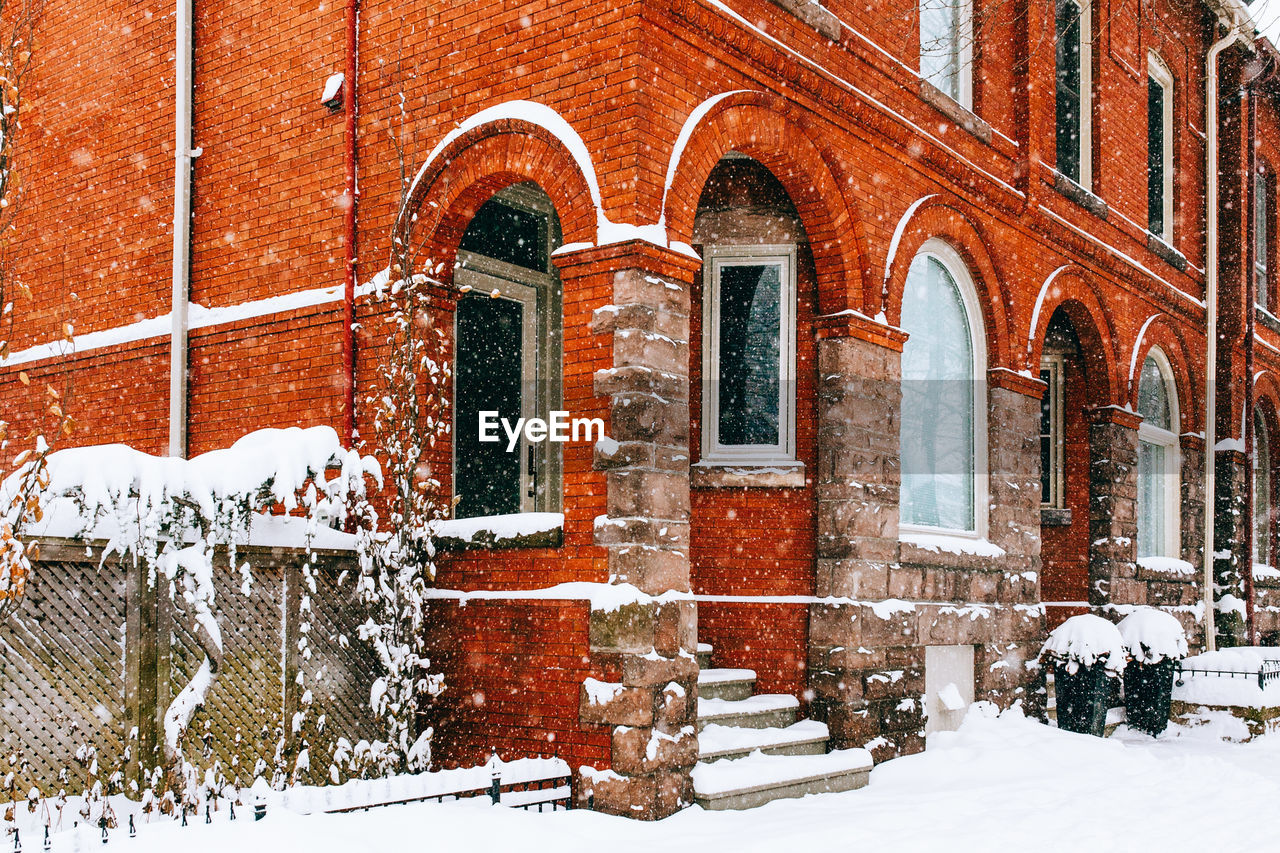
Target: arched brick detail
1072	293
478	164
778	135
1161	333
946	223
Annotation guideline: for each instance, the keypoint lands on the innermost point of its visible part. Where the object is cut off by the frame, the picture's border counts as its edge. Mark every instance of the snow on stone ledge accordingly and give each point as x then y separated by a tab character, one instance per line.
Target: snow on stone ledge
1152	636
936	542
1167	566
517	529
1085	640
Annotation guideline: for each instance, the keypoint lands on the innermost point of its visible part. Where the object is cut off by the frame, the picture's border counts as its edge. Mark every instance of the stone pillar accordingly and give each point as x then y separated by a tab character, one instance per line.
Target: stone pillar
651	646
859	370
1113	508
1188	593
1013	448
1231	531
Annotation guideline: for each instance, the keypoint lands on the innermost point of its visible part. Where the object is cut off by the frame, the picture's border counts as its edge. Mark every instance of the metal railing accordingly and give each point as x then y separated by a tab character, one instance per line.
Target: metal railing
1264	675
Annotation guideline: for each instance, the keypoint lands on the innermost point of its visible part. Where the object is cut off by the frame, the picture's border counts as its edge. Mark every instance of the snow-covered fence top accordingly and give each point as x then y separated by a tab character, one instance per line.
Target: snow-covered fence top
1086	640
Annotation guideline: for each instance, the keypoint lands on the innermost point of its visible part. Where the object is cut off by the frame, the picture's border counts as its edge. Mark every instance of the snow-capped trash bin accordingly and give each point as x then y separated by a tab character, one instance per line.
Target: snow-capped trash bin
1086	652
1155	642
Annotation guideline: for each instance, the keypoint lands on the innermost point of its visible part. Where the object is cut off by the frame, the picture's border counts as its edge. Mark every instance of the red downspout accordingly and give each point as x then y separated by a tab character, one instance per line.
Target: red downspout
349	231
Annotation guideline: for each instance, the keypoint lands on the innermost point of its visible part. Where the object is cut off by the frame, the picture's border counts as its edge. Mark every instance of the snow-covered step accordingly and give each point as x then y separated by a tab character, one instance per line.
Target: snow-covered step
745	783
704	655
726	683
807	737
767	710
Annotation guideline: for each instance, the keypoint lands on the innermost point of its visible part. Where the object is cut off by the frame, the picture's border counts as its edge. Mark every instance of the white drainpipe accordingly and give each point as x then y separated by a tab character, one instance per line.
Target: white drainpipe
182	157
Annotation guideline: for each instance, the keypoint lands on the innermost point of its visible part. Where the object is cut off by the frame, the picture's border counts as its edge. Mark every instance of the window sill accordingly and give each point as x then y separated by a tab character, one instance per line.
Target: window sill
954	110
924	542
1166	252
1081	196
1166	568
726	475
1053	516
501	532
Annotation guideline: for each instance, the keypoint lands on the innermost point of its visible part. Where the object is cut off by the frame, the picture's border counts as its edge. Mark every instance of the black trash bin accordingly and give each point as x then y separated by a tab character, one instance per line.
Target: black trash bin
1082	698
1148	691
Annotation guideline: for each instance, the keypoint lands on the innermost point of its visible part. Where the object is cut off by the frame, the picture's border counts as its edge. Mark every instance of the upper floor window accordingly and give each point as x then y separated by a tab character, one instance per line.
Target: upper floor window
946	47
1158	463
506	354
1261	235
1159	149
942	436
1261	491
749	355
1074	87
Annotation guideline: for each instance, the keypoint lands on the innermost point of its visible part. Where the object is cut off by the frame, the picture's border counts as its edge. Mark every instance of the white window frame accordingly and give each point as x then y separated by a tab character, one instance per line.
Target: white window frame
1261	236
962	52
1168	439
1055	364
1159	72
943	252
782	454
1086	90
1262	550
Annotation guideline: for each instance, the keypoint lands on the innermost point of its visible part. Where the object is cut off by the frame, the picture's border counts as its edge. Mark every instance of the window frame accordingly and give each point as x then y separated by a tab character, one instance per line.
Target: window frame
1262	235
961	53
961	277
783	453
541	465
1054	363
1262	550
1168	439
1085	151
1158	72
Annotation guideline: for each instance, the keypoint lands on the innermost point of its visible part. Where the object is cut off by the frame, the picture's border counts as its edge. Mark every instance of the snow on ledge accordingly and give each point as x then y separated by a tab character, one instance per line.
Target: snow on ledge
1168	565
937	542
494	529
602	596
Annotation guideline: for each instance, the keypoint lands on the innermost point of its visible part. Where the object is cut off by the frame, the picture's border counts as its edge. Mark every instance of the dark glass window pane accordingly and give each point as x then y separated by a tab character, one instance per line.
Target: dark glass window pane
1069	97
1046	438
1155	157
488	374
750	337
508	234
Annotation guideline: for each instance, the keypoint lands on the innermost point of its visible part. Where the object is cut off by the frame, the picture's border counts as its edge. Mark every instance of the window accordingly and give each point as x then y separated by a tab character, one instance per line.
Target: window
1159	149
749	355
1074	87
1052	432
943	423
946	47
1261	491
1261	236
507	354
1158	499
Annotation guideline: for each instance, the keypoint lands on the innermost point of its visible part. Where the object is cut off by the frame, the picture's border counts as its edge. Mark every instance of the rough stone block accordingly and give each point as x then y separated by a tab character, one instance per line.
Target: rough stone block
627	706
629	628
637	751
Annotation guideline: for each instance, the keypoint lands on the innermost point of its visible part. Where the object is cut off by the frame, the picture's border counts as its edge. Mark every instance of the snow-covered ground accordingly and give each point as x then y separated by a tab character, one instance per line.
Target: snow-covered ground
1003	783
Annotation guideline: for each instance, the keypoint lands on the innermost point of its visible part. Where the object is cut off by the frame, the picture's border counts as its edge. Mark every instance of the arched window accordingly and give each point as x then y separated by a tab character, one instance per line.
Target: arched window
507	355
943	426
1261	491
1158	532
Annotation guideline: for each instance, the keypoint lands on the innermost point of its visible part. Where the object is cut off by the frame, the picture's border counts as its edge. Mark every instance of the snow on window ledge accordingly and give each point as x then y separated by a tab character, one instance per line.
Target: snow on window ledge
720	474
1171	566
513	530
951	543
1266	575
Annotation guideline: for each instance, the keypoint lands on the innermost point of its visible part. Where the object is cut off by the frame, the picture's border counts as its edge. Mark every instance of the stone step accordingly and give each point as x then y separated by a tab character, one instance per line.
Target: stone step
726	683
807	737
767	710
745	783
704	655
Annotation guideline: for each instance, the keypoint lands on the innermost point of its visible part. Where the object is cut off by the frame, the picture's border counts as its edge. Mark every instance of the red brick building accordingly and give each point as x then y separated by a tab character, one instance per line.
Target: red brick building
896	315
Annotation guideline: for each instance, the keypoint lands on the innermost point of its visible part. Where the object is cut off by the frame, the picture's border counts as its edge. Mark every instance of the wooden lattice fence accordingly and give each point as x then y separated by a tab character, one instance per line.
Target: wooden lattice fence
95	654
